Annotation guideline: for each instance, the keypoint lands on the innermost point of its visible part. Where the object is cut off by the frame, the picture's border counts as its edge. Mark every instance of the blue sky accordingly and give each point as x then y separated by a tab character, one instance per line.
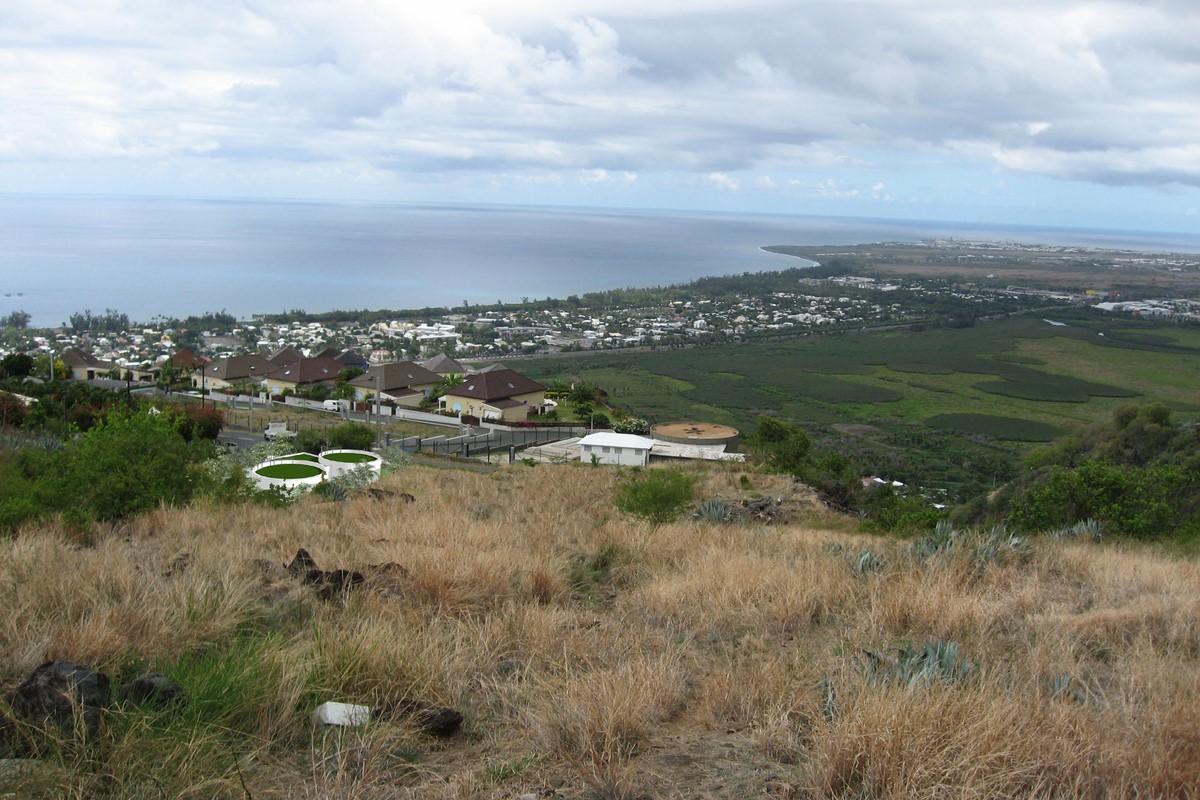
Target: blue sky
1079	113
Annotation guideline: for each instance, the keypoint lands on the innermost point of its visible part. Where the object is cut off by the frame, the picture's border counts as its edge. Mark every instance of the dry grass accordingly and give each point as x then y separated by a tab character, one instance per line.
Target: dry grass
594	656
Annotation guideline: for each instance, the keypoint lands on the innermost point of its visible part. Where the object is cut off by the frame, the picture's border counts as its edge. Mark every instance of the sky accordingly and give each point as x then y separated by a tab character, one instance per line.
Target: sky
1074	113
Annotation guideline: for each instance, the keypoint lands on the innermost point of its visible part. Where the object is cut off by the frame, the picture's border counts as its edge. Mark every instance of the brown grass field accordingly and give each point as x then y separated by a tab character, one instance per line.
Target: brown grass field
594	656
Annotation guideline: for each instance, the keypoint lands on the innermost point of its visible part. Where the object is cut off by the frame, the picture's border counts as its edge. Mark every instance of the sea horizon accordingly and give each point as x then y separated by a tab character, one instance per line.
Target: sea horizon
151	256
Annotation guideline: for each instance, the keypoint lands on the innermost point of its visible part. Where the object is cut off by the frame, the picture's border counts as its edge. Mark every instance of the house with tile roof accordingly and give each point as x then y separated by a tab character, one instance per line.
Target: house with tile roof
222	373
305	373
403	382
83	366
498	394
443	364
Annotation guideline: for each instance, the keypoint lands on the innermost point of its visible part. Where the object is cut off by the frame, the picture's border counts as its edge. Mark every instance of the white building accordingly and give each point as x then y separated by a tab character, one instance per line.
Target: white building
607	447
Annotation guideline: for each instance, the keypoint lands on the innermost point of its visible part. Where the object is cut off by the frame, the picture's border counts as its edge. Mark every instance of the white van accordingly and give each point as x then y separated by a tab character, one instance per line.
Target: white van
337	405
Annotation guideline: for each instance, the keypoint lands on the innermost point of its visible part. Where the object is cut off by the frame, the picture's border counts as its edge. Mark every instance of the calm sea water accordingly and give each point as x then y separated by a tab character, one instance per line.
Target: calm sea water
147	257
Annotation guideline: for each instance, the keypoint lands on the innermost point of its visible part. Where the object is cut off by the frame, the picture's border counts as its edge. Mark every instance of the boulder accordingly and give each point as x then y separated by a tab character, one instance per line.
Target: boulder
56	690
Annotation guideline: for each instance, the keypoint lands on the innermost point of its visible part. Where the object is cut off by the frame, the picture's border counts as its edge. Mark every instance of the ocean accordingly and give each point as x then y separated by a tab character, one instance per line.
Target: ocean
152	256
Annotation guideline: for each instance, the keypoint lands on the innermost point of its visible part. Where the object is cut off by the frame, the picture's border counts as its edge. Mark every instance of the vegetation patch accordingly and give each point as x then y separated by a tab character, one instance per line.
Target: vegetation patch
1054	389
1013	428
919	367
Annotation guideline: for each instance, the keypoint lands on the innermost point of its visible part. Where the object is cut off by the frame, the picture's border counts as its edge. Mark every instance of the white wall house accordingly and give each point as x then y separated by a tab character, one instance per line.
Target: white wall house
624	449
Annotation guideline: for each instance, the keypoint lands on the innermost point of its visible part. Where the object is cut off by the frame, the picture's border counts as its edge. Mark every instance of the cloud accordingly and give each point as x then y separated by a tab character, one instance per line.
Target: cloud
725	182
724	92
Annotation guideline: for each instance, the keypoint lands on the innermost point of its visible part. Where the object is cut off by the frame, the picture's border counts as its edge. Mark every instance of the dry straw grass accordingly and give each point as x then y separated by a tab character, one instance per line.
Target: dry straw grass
594	656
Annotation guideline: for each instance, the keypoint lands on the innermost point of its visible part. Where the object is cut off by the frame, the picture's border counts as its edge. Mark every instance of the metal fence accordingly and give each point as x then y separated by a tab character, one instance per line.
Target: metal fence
496	445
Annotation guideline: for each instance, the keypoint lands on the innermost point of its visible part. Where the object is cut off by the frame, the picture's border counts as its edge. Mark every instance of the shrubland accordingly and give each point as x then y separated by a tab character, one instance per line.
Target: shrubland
596	653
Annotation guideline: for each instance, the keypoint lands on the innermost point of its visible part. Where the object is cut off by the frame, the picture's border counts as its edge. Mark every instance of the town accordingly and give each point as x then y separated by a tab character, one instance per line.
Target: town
788	303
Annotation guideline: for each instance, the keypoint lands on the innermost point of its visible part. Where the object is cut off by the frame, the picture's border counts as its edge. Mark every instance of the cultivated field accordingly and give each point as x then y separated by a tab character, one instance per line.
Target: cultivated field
595	656
992	388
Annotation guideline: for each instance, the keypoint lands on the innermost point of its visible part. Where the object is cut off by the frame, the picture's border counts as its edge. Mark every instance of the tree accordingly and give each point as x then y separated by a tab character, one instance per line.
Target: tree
18	320
791	454
16	365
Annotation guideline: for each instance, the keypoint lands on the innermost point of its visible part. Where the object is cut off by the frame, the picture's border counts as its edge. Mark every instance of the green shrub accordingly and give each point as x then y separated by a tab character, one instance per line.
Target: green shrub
1142	502
129	462
351	436
655	495
310	440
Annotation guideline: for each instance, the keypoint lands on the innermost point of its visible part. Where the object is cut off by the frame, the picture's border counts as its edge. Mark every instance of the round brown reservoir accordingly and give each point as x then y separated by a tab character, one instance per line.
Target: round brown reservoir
697	433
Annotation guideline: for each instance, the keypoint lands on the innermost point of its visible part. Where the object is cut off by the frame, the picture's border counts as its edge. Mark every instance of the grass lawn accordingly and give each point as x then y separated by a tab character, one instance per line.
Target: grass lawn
350	458
289	471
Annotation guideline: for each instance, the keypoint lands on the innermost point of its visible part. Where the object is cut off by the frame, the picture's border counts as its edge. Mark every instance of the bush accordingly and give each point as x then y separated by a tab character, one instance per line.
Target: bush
658	496
351	436
129	462
1142	502
311	440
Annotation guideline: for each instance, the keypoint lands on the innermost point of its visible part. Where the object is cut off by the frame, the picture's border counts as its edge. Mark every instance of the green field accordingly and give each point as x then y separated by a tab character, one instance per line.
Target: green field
1019	380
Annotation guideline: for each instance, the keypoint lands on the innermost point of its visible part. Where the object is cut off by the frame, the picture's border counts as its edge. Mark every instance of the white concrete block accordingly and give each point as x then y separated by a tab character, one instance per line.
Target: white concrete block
343	714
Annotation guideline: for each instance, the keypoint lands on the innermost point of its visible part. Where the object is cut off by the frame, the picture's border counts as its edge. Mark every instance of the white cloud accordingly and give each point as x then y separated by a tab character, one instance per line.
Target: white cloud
723	181
600	90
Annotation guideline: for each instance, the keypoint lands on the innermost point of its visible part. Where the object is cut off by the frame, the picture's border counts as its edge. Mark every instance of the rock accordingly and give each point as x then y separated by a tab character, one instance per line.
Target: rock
56	689
332	583
341	714
438	721
154	689
302	564
434	720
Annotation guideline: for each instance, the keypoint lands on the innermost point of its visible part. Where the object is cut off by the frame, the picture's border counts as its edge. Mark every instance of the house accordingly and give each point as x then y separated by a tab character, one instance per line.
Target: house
225	372
624	449
443	364
402	381
305	373
497	394
352	359
83	366
285	355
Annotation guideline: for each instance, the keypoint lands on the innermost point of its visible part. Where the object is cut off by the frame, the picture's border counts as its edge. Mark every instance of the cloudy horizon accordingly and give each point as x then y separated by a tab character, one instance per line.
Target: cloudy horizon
1078	114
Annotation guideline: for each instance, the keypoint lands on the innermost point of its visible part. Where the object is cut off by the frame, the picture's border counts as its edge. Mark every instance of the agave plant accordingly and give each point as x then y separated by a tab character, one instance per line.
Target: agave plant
712	511
935	660
868	562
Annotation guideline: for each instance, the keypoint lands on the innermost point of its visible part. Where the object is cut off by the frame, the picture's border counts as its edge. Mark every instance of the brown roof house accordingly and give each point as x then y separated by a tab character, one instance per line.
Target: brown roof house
402	381
285	355
306	372
225	372
500	394
443	364
83	366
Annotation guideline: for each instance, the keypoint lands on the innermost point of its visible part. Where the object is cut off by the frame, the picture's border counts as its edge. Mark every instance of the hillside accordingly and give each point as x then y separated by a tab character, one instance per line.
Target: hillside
592	655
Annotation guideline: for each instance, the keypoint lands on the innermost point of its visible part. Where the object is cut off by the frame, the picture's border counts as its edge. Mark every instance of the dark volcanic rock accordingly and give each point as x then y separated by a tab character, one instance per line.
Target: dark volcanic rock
302	564
57	689
434	720
332	583
438	720
154	689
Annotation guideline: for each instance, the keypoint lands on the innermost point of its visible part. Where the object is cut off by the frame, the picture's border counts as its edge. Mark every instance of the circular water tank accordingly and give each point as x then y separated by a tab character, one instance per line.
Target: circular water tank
704	433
